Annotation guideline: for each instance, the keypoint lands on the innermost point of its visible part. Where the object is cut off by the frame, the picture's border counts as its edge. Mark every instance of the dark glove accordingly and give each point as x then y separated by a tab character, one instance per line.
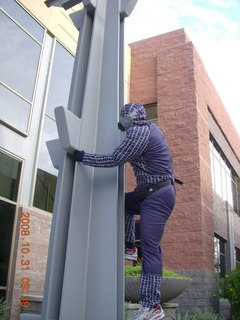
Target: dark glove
78	155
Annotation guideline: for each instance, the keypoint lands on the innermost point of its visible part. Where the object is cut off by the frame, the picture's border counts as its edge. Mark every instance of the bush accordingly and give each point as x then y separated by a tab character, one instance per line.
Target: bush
199	315
136	271
204	315
229	288
3	309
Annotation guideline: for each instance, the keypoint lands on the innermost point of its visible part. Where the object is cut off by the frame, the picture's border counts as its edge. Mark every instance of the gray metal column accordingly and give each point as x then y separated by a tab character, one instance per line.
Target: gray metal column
90	277
84	278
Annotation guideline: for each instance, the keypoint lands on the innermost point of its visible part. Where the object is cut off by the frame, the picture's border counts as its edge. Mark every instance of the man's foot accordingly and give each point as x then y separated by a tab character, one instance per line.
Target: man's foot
131	254
149	314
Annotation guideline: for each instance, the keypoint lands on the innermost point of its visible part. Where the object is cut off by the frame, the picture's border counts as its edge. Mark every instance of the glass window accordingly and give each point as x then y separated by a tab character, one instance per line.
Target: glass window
224	177
7	214
219	256
212	165
19	59
237	251
49	133
45	190
236	193
13	109
217	176
10	170
46	174
59	87
224	181
23	18
151	111
229	190
2	294
60	79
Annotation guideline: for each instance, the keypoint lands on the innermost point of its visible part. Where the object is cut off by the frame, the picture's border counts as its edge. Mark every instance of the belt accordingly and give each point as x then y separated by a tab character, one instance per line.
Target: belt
160	184
164	183
143	192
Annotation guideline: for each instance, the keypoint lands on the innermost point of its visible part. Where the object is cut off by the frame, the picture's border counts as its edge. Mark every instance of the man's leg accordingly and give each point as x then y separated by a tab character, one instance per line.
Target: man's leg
155	211
132	207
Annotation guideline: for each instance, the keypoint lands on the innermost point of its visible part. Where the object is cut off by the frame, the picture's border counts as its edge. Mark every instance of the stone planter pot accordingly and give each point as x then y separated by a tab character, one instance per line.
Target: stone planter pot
170	288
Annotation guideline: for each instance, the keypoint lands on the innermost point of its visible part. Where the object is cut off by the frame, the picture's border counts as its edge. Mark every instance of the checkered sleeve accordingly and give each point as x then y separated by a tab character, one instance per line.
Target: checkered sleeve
133	146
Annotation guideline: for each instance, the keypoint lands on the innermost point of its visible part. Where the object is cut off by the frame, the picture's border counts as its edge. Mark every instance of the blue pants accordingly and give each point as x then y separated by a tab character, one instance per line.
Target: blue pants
154	211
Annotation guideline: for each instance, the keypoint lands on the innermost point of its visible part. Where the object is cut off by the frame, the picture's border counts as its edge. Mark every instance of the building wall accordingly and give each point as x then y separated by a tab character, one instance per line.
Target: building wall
174	92
25	146
168	71
30	257
55	20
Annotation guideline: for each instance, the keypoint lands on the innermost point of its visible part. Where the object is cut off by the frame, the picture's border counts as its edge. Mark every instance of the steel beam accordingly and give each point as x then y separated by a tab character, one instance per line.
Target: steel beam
84	277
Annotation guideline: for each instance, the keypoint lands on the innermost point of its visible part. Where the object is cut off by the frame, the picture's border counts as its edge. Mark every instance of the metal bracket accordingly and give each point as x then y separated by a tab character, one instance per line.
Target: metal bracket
90	5
127	7
78	18
68	126
56	153
66	4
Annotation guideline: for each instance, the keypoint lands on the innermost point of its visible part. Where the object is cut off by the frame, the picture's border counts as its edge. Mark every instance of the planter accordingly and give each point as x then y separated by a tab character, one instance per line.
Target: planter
170	288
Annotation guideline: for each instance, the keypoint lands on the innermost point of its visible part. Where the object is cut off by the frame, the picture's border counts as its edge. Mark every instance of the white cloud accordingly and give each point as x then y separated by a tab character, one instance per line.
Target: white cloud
222	3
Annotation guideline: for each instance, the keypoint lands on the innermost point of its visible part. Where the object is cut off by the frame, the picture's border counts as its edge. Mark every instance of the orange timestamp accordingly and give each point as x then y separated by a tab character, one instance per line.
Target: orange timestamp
25	282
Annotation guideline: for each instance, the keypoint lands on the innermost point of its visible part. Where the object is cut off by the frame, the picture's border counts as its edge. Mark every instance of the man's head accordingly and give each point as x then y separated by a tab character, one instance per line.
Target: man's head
132	114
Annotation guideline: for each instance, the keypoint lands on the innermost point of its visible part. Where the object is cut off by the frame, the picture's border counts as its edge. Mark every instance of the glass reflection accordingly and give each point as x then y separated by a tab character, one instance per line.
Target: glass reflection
221	175
45	190
7	213
19	59
60	79
13	109
49	133
23	18
46	179
10	170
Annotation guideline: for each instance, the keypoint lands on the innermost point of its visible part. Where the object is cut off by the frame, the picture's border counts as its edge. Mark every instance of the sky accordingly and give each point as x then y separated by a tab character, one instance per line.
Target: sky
214	28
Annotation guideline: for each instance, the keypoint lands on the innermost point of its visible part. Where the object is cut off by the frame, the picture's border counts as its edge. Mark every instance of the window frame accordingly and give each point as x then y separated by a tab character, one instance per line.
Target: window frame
46	114
221	256
237	256
228	173
3	121
16	204
152	105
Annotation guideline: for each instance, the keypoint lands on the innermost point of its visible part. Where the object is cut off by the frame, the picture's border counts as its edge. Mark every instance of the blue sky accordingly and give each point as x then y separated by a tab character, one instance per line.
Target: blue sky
214	28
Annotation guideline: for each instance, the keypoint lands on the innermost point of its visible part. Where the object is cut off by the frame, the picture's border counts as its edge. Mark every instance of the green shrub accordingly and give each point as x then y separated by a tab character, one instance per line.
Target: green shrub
133	271
198	314
229	288
204	315
3	309
136	271
185	317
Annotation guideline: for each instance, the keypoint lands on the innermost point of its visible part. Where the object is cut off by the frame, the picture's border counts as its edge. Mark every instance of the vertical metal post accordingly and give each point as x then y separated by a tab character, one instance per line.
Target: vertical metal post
91	281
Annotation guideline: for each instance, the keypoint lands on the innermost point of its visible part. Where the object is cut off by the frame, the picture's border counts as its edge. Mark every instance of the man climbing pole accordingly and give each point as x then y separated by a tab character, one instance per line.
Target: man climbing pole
147	151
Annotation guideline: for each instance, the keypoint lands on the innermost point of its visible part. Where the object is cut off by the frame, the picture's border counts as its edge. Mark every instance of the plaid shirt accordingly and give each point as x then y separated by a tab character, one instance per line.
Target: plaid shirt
132	147
146	150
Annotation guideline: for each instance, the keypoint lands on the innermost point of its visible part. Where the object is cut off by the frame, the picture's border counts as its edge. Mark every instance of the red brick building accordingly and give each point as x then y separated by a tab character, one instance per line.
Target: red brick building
203	233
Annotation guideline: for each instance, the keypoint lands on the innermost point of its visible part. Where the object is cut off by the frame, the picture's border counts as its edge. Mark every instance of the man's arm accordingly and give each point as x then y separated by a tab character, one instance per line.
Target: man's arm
134	144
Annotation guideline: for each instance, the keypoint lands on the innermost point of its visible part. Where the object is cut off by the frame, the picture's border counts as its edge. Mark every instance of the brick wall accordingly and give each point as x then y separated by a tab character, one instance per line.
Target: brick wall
167	70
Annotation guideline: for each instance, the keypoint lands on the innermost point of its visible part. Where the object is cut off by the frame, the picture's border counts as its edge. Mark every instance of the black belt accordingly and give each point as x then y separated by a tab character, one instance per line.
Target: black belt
142	192
164	183
161	184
